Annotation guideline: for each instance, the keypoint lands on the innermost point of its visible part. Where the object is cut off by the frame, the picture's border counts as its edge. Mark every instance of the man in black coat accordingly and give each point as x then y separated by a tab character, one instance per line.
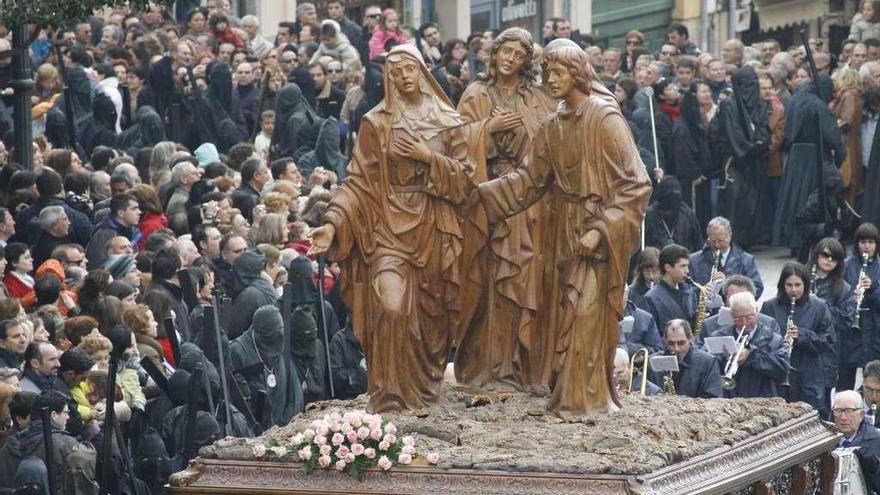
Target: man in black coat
733	284
164	291
699	374
254	175
336	11
849	416
348	364
672	298
764	362
51	191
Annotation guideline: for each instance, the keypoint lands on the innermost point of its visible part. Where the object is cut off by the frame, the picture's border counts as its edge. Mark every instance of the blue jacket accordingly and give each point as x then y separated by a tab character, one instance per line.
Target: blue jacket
644	331
666	303
765	367
699	376
738	262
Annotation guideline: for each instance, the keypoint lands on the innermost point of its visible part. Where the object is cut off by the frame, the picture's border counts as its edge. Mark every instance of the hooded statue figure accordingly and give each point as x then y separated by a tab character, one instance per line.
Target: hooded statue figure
257	359
255	290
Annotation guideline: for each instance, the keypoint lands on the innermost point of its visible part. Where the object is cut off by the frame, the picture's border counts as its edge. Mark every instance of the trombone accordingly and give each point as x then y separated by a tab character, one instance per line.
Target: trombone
632	370
728	381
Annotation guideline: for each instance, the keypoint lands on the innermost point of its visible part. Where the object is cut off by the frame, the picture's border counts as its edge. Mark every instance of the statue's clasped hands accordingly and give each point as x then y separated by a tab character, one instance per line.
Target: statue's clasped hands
504	120
411	147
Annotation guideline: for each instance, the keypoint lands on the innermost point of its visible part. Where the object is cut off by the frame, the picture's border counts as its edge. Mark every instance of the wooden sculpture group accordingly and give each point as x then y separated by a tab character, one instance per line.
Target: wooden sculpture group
501	229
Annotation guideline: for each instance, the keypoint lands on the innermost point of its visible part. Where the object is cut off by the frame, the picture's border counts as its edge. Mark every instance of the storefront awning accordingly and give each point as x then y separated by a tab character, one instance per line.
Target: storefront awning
775	14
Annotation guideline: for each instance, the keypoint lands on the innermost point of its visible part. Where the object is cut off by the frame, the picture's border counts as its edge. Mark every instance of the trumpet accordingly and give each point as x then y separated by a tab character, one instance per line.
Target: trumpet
632	370
860	293
728	381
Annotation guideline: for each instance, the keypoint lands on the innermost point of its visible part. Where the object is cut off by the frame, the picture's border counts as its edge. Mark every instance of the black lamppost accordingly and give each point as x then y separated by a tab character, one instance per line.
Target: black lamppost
23	86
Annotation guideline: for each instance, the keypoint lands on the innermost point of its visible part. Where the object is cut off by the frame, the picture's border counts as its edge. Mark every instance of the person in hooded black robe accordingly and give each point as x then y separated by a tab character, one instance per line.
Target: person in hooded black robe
690	158
292	114
744	124
255	291
871	202
669	221
79	90
216	114
147	130
806	114
307	349
269	374
301	77
326	152
348	364
100	130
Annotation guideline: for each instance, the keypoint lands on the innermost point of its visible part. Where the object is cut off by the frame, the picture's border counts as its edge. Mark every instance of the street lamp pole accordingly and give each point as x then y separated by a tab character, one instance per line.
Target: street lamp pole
23	85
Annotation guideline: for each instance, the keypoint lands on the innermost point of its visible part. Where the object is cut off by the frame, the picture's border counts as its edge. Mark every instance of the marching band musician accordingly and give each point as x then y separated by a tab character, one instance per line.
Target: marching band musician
621	375
732	259
868	316
646	276
699	375
871	389
734	284
644	331
808	323
849	416
764	362
672	297
828	285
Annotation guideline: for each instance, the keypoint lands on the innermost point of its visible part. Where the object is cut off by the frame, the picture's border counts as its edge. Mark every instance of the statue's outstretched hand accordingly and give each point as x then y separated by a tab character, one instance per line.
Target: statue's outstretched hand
321	239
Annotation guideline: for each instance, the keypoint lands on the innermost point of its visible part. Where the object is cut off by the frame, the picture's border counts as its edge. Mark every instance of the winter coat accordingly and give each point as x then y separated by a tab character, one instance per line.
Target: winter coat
341	50
30	443
862	29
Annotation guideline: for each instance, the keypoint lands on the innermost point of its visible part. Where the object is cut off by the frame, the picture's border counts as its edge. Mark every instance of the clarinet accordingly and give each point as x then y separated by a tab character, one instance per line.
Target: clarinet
860	292
788	342
814	277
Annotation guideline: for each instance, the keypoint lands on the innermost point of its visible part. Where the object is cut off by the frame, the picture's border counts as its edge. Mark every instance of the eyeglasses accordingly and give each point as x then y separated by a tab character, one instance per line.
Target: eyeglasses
334	71
845	410
374	16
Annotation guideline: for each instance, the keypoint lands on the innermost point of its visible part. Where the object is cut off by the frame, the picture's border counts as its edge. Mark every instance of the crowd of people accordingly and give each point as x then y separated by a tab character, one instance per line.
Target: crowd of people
181	160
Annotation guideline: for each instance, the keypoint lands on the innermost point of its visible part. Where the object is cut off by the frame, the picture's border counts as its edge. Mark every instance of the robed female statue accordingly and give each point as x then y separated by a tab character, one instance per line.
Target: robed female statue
394	227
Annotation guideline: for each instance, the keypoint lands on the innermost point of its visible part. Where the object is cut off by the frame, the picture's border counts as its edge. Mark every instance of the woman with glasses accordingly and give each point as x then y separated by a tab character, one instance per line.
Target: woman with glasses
807	332
828	284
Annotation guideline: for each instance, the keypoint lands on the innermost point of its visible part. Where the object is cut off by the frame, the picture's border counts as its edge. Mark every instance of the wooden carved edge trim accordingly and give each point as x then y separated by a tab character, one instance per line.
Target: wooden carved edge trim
740	465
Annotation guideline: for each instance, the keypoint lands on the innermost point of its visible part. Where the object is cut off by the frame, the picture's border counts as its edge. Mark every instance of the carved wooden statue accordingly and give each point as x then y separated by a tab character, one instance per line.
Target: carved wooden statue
501	343
394	227
584	158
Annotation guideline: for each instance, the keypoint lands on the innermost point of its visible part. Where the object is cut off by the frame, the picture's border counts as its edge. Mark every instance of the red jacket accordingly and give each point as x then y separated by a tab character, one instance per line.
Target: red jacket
229	36
16	288
150	223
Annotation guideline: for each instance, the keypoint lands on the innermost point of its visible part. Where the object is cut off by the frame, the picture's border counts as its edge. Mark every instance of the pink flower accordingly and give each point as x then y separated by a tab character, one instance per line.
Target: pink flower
376	434
324	461
320	439
363	432
259	450
383	445
305	453
349	458
370	453
384	463
404	459
390	438
390	428
322	430
337	438
433	458
408	449
352	436
409	441
346	427
334	416
357	449
325	449
342	451
340	465
335	426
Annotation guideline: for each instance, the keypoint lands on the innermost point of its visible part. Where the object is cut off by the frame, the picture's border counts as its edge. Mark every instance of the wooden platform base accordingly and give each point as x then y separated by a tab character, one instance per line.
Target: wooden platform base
789	459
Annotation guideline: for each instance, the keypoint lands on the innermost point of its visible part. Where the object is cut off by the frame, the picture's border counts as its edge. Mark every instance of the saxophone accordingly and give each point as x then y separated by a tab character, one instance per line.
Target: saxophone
706	291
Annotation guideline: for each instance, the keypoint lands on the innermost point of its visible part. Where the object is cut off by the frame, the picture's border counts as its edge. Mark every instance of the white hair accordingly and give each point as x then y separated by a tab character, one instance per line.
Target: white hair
719	222
743	300
251	20
49	216
848	394
179	171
